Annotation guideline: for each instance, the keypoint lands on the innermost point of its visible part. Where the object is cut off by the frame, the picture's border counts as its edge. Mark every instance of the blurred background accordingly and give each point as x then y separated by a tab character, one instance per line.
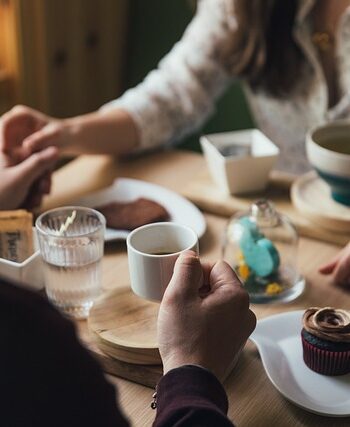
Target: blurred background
68	57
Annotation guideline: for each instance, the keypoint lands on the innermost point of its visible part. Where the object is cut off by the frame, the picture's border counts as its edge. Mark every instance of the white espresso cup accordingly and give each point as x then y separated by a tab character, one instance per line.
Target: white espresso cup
152	252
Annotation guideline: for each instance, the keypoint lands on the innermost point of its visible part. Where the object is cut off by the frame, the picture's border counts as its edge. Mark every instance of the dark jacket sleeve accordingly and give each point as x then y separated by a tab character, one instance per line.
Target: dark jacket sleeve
191	396
46	377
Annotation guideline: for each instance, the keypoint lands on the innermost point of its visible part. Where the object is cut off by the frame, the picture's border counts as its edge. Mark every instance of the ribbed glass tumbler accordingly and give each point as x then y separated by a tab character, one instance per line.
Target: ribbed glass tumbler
71	241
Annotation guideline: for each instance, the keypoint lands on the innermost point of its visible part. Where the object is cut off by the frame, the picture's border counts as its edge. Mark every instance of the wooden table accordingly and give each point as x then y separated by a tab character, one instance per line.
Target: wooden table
254	402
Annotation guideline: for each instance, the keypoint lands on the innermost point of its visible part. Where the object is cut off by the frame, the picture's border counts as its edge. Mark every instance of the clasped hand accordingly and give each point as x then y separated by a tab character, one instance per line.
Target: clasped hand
25	168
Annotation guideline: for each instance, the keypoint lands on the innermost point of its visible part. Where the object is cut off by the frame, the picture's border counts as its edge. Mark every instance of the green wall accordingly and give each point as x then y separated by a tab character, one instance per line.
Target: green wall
155	26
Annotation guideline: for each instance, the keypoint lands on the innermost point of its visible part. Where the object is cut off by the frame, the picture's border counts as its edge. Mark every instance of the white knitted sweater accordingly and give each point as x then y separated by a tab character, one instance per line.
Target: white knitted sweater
177	97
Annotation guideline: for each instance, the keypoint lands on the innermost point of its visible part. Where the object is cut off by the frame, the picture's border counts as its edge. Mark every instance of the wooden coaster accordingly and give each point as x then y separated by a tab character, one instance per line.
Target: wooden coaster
124	326
312	197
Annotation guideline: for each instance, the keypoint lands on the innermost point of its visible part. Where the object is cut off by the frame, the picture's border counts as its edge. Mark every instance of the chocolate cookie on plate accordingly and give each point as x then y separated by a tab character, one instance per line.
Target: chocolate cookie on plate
130	215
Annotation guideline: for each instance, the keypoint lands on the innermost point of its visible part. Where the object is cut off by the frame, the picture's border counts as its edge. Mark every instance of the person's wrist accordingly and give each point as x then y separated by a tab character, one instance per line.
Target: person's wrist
176	360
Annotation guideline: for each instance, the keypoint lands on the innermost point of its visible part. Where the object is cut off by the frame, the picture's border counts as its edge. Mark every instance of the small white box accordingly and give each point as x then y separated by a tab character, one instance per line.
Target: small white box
29	272
243	172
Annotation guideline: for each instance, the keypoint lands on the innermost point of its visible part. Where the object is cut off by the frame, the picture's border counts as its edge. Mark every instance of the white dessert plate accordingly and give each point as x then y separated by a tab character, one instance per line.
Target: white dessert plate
124	190
279	344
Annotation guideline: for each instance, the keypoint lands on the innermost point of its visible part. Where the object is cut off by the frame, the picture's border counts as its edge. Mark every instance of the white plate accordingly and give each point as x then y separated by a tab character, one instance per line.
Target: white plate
279	343
124	189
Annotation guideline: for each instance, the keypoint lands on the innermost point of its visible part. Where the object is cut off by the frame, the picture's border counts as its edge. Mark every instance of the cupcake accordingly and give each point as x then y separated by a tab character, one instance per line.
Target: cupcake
326	340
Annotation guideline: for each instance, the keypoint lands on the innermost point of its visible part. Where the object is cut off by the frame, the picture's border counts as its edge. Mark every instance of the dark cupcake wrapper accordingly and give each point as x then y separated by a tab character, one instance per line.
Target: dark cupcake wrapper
326	362
325	344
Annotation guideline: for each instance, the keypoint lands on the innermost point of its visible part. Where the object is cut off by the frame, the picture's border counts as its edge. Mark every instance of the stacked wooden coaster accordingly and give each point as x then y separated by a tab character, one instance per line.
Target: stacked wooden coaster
124	326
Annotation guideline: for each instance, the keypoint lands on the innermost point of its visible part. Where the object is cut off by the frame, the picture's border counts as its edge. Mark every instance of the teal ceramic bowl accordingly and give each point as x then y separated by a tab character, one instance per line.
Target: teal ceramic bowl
323	146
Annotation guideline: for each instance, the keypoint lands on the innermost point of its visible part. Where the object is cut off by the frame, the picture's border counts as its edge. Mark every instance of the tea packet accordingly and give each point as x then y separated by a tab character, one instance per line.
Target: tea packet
16	235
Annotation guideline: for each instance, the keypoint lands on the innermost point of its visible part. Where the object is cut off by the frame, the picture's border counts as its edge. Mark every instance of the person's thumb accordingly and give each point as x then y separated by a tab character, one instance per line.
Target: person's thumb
222	274
224	285
187	277
36	165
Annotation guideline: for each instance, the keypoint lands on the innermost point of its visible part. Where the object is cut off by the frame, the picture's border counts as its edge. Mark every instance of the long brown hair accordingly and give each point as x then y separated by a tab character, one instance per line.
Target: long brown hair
264	52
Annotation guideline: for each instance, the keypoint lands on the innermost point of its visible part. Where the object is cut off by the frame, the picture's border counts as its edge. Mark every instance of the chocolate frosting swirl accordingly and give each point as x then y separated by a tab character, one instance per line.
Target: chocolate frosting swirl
328	323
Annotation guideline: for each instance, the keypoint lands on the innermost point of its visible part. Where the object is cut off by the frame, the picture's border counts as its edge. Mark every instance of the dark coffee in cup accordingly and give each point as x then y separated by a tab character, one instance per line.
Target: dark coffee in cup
338	145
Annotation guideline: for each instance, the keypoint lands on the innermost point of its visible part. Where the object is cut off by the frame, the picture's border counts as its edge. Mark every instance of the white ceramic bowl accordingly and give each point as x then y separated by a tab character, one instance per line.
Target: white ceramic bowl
29	272
239	174
332	166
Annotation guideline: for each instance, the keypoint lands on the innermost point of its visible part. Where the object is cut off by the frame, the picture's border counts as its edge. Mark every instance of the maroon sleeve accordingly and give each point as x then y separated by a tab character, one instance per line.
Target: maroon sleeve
191	396
47	378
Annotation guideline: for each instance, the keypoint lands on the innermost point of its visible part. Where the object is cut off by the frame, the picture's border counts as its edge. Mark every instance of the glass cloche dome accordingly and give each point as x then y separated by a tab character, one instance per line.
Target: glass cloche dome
262	245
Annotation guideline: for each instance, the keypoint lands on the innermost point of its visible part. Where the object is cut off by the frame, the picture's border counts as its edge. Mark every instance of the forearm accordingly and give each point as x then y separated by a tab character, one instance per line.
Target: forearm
176	98
100	132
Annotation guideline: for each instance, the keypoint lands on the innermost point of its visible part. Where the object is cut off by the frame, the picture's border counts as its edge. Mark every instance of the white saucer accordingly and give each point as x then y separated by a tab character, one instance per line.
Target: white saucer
279	343
124	189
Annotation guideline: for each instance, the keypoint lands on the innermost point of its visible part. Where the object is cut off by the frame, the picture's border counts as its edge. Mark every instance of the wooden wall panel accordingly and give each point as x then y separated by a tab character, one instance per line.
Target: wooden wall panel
70	53
64	51
85	49
100	43
9	59
31	31
6	95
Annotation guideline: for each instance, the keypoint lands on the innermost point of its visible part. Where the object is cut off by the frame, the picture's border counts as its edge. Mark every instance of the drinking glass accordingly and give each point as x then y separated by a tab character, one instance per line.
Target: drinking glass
71	241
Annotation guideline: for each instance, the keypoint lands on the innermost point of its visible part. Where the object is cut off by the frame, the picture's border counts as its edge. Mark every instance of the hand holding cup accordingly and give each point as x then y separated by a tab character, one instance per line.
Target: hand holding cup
204	318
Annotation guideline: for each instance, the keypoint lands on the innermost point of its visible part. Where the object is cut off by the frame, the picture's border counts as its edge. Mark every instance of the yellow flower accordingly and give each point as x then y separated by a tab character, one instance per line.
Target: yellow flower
273	289
243	271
